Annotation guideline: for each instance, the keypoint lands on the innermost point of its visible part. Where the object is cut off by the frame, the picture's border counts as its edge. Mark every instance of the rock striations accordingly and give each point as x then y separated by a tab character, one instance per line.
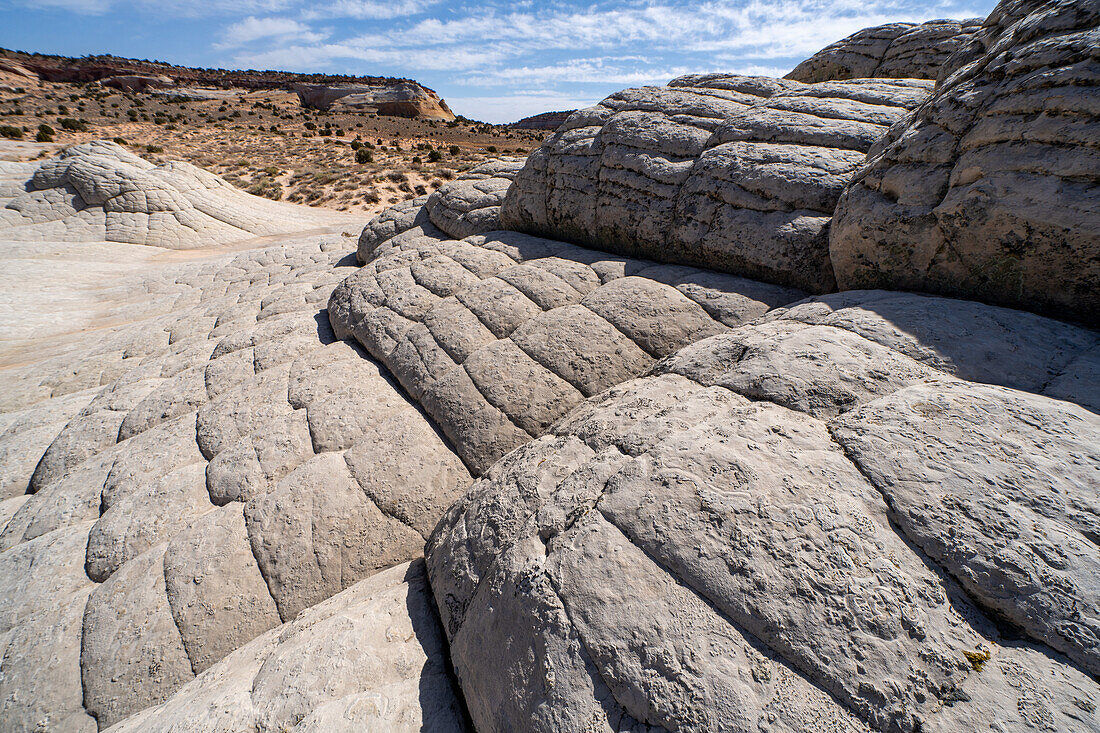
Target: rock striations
893	51
672	464
99	191
991	190
733	173
401	99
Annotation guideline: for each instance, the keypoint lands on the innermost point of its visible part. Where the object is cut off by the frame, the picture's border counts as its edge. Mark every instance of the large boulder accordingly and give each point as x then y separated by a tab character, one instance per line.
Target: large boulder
738	174
894	50
990	190
806	523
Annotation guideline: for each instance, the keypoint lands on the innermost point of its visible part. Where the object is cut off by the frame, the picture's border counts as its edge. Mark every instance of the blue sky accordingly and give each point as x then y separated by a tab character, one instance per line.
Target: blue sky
495	61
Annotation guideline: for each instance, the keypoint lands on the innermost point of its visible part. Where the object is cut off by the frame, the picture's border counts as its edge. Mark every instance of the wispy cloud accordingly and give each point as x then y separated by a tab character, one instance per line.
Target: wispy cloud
473	53
254	29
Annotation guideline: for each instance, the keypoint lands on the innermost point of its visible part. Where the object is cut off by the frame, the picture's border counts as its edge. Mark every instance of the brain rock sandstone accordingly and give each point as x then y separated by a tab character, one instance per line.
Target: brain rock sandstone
807	523
895	50
100	192
991	189
733	173
679	499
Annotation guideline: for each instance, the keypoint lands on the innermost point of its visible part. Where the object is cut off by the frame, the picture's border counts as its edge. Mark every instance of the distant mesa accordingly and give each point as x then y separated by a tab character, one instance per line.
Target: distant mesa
544	121
403	99
377	94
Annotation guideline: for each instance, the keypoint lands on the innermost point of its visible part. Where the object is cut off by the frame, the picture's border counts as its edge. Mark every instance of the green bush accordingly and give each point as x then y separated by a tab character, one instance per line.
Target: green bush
454	150
434	156
120	141
154	149
11	132
362	156
68	123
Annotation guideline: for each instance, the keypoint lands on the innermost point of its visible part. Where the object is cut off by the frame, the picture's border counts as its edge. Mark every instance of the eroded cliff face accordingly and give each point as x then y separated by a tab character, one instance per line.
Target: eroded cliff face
405	99
654	492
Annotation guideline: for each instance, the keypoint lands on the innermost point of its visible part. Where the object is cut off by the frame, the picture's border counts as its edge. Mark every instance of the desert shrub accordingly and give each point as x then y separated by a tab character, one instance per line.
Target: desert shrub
154	149
355	145
492	148
45	134
371	197
454	150
434	156
311	125
271	170
420	190
74	125
11	132
362	155
416	160
120	141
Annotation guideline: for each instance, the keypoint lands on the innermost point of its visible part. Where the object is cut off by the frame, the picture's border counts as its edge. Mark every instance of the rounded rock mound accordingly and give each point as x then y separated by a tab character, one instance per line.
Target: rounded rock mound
732	173
98	191
991	190
894	50
808	523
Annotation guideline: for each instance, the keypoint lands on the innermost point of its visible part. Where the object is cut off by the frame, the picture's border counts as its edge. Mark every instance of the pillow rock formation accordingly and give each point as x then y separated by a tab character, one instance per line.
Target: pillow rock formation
669	427
893	51
99	191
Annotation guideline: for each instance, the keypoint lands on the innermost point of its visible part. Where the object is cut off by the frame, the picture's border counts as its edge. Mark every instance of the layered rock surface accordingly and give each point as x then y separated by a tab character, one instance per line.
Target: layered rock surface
738	174
894	50
702	502
991	190
98	191
500	334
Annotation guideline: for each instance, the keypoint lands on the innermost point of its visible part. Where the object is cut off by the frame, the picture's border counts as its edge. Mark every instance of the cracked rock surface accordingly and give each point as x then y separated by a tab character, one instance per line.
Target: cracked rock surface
808	521
733	173
989	191
499	335
894	50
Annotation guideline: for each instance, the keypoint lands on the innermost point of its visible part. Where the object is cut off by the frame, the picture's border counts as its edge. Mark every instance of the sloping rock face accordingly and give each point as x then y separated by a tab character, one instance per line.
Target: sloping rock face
399	99
370	658
738	174
895	50
500	334
805	523
544	121
990	191
98	191
220	469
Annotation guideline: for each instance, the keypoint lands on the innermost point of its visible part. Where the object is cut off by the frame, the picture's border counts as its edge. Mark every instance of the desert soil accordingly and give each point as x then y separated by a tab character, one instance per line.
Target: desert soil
265	142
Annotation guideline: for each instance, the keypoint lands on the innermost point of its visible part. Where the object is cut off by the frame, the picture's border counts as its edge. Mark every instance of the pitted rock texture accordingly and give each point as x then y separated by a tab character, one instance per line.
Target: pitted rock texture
737	174
98	191
220	469
499	335
370	658
471	203
991	190
894	50
804	523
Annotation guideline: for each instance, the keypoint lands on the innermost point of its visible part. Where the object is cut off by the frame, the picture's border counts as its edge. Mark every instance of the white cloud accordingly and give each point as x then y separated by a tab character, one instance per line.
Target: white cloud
253	29
367	9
